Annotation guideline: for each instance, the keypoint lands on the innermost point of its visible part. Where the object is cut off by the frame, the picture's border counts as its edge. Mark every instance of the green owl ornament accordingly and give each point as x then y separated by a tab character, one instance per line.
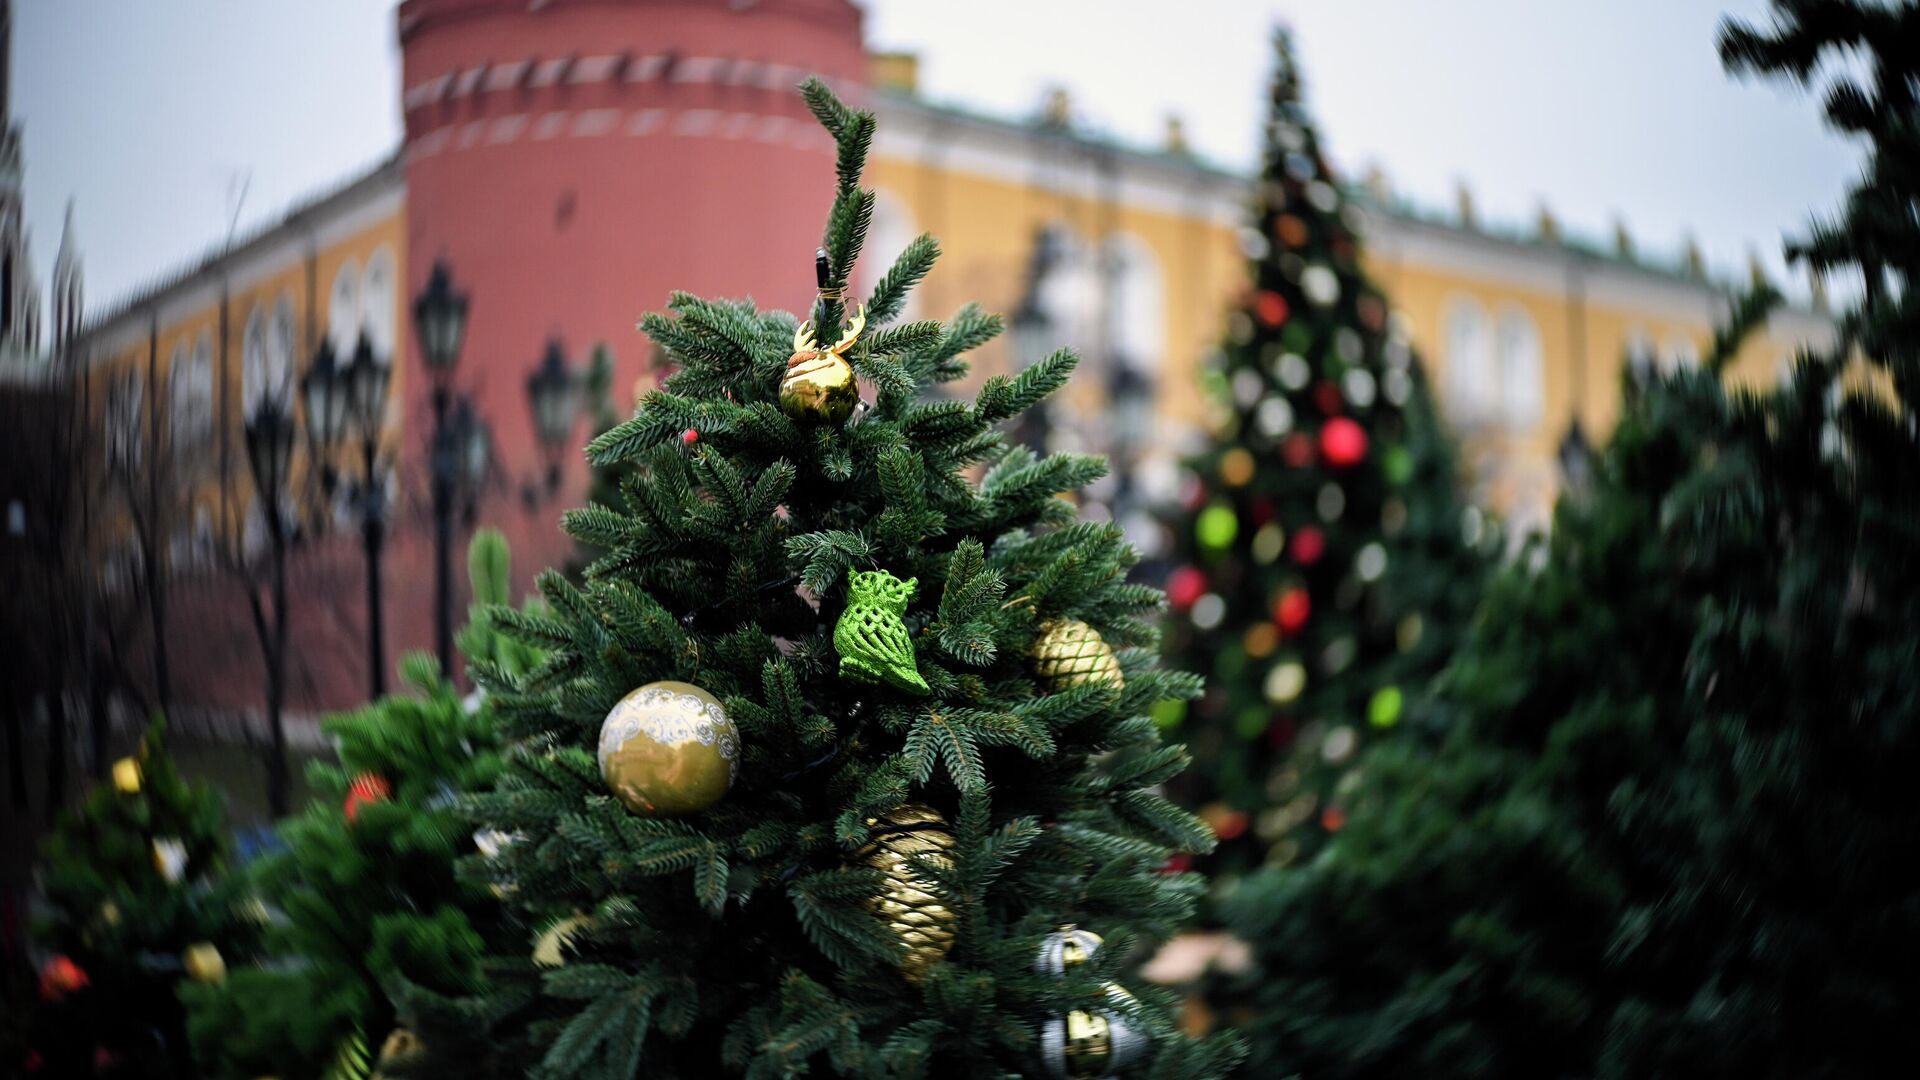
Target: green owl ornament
871	636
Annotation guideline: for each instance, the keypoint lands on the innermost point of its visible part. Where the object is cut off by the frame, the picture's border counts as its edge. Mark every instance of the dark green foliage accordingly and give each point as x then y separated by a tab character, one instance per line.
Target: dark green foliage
369	904
1391	581
737	941
1671	833
114	913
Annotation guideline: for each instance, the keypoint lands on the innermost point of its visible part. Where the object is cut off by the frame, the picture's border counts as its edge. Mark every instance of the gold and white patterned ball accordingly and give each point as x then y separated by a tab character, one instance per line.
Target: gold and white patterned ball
668	749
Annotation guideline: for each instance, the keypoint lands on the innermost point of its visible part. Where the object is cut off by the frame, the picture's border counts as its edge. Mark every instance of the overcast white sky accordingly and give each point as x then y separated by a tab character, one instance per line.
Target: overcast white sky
151	114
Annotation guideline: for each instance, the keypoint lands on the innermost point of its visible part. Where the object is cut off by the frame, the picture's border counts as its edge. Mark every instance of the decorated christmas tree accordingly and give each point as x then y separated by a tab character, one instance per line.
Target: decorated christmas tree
138	901
1671	831
1323	577
364	892
841	761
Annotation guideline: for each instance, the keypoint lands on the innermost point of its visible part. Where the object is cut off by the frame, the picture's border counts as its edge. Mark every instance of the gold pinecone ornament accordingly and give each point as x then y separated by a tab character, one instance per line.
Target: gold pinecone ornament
1069	653
906	901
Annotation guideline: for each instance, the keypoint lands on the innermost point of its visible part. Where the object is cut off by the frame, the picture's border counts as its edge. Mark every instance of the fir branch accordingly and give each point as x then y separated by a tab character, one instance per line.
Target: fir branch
890	292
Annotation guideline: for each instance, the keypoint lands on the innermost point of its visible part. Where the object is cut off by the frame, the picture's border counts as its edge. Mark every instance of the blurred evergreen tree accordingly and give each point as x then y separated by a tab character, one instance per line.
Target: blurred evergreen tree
138	900
365	892
1671	831
1330	566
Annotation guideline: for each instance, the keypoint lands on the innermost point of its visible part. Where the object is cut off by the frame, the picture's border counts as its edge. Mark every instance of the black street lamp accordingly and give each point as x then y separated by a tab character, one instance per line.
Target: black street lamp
326	399
1130	415
440	318
1576	462
365	381
553	395
269	440
1034	334
351	399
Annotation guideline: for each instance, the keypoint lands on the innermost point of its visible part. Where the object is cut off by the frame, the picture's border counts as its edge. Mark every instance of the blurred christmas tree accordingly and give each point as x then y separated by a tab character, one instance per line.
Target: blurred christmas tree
365	888
1671	831
138	901
870	731
1326	577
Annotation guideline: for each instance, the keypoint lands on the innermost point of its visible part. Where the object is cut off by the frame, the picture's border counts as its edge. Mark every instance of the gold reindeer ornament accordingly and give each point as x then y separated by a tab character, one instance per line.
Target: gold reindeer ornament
819	386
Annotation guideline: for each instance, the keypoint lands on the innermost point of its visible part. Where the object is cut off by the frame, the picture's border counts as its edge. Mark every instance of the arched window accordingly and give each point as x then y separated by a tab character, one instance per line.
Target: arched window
1069	290
191	391
378	312
1137	306
126	429
1678	352
1472	380
1522	371
344	307
1640	353
266	372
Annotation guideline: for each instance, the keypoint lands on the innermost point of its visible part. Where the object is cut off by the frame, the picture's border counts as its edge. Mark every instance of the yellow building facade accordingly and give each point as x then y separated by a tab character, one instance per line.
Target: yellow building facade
1521	335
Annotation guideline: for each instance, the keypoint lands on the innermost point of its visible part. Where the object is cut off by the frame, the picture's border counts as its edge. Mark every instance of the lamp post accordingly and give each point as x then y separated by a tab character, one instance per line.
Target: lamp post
440	318
1130	414
269	440
351	399
1034	333
1576	462
554	398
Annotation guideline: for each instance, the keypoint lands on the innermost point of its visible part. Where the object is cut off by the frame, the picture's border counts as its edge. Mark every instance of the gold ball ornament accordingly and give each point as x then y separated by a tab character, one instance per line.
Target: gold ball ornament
819	386
204	963
906	901
1091	1042
549	950
126	776
1069	653
668	749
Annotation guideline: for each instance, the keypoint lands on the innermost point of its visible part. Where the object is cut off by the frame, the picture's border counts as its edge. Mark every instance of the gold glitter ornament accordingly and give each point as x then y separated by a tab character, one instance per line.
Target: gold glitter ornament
819	385
906	902
1069	653
401	1048
668	749
204	963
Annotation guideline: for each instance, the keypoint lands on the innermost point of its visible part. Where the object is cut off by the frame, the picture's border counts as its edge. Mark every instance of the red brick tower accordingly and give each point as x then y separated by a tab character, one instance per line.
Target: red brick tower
574	160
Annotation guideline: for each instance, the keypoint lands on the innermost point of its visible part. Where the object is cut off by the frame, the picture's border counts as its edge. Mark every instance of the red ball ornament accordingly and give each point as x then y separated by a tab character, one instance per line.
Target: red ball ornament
1230	825
689	436
1333	818
1309	543
1343	443
1326	396
1270	307
1184	586
1292	609
1297	450
60	977
1260	512
366	788
1177	864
